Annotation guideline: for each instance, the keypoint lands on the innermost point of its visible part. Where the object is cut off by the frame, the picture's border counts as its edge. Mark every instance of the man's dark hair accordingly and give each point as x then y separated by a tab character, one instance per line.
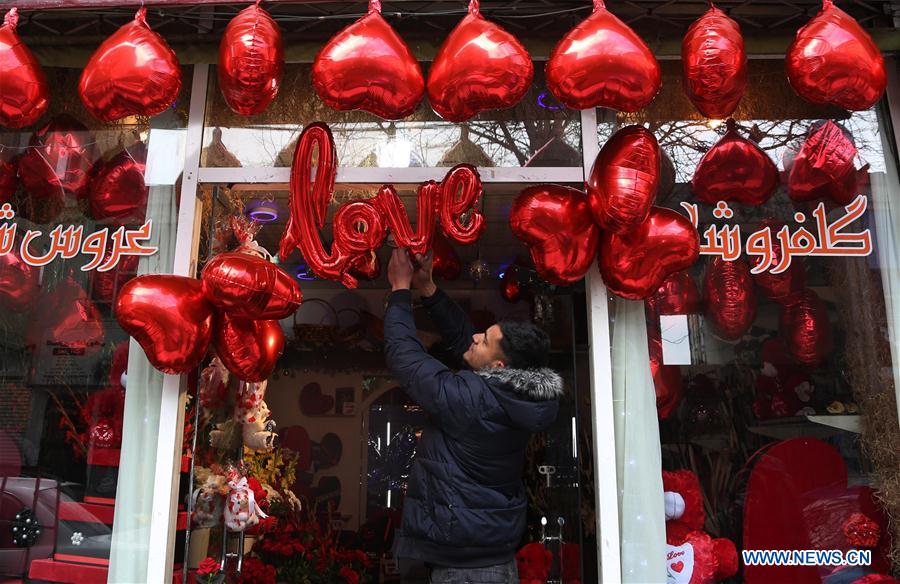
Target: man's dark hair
525	344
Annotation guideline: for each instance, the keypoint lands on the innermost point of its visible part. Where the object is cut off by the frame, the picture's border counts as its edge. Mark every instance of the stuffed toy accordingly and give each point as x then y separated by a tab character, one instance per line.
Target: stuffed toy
208	503
241	509
260	434
248	402
693	557
534	561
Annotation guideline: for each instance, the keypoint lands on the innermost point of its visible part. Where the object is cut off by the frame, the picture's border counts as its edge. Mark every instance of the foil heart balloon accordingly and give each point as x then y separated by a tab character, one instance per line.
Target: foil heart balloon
730	298
24	97
445	260
833	60
677	295
367	66
806	329
714	64
636	264
824	167
66	318
603	62
624	179
132	73
735	169
251	61
247	286
555	223
118	195
779	287
19	282
666	379
479	67
170	317
59	160
9	175
248	348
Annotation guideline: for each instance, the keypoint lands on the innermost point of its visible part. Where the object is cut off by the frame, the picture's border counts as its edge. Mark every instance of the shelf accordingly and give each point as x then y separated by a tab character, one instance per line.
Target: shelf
816	426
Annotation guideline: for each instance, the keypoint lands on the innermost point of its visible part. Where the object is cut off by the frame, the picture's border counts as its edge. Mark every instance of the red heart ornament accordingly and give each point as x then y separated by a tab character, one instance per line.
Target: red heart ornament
555	223
170	317
714	64
367	66
833	60
59	160
806	329
24	97
677	295
730	298
779	287
824	167
251	61
603	62
248	348
735	169
247	286
118	195
624	179
132	73
479	67
65	317
678	566
19	282
636	264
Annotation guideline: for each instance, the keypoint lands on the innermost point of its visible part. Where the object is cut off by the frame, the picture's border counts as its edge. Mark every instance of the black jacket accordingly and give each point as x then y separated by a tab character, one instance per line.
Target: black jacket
465	503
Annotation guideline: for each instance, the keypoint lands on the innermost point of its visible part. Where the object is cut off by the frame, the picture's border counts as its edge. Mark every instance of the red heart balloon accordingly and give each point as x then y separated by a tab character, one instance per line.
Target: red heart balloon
555	223
677	295
479	67
251	61
833	60
24	97
730	298
666	379
9	175
735	169
132	73
65	317
105	284
59	160
445	261
779	287
636	264
714	64
624	179
249	287
824	167
806	329
118	194
367	66
19	282
603	62
248	348
170	317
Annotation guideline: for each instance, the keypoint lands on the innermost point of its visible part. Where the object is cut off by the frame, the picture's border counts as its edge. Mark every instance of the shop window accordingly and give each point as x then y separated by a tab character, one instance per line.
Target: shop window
77	426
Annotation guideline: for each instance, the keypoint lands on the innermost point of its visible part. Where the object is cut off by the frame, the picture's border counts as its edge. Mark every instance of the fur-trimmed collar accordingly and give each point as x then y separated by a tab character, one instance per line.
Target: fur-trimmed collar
534	384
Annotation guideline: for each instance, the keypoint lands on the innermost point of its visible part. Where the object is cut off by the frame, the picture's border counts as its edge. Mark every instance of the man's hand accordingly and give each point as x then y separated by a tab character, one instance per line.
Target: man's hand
400	270
422	278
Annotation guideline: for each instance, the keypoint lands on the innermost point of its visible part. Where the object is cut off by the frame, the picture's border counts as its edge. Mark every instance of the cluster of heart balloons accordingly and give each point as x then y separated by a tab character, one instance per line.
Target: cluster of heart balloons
235	305
637	244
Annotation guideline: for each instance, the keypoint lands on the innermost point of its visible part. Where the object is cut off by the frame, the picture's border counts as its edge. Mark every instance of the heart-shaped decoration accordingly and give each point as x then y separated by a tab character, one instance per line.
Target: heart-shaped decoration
66	318
636	264
251	61
714	64
806	329
247	286
555	223
118	194
603	62
479	67
824	167
833	60
313	402
367	66
735	169
24	97
677	295
170	317
730	298
779	287
59	160
248	348
624	179
19	283
133	73
678	566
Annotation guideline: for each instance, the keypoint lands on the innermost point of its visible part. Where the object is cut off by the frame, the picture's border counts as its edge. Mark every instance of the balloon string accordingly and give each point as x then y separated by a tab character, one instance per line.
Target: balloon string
599	5
711	5
374	6
827	4
141	15
474	7
730	125
12	18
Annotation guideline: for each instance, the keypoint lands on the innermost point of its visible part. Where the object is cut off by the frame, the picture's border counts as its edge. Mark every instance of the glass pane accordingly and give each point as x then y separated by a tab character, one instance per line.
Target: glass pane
71	430
776	390
348	432
536	132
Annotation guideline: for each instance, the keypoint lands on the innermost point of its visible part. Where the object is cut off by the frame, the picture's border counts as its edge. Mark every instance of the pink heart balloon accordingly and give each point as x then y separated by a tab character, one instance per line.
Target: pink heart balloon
603	62
251	61
730	298
624	179
479	67
634	265
833	60
24	98
367	66
824	167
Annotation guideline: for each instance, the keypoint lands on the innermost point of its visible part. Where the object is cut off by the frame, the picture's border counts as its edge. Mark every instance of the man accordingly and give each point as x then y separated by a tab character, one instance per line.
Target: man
464	513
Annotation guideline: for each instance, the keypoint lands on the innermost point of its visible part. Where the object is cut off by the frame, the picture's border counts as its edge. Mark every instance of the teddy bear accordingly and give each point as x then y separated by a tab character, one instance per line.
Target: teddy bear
534	561
260	433
693	557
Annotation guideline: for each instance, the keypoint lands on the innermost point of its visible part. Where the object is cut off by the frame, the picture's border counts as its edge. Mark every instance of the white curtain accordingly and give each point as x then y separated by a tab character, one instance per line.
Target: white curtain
638	456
